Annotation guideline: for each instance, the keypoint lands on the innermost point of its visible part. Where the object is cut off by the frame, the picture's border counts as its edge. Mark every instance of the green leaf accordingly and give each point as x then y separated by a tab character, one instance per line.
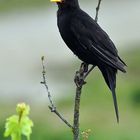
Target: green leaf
20	124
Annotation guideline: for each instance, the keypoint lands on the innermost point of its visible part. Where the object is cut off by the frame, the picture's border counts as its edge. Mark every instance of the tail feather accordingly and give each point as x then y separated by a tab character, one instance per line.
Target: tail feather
109	75
115	104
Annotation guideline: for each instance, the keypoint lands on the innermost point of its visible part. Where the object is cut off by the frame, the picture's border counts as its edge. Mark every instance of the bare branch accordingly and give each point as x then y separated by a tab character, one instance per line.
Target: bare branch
60	116
79	76
97	10
88	72
52	107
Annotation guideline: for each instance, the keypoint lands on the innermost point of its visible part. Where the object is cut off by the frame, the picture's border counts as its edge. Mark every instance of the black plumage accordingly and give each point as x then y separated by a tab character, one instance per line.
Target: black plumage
89	42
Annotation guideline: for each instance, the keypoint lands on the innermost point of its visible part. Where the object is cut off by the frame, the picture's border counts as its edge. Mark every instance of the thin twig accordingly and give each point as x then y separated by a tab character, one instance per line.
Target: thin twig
52	107
97	10
60	116
80	77
88	72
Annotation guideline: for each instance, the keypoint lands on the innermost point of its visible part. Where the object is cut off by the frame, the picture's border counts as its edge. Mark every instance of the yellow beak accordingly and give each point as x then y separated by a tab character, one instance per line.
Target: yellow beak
56	0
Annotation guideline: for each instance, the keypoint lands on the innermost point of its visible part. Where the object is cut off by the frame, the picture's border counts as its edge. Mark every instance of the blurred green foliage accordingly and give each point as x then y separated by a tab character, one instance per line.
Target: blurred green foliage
6	5
97	111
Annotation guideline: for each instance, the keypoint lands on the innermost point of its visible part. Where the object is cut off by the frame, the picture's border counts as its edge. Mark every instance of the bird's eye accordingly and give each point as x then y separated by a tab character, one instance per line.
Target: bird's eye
63	1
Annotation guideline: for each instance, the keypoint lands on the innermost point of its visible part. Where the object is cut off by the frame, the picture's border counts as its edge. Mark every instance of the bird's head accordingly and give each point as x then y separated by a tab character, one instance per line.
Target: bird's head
66	3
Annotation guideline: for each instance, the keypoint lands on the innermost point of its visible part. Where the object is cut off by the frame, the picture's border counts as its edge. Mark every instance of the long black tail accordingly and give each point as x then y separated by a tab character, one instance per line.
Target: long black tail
109	75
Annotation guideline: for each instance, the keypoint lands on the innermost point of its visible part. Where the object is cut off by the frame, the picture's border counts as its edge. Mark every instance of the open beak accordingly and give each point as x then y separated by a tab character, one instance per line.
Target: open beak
56	0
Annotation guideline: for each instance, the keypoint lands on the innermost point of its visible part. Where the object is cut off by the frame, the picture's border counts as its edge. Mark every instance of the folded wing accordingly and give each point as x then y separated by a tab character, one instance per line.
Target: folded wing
92	38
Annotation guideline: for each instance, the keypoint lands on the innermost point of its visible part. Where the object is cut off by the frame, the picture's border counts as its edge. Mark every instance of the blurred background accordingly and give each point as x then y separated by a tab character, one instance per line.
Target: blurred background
28	30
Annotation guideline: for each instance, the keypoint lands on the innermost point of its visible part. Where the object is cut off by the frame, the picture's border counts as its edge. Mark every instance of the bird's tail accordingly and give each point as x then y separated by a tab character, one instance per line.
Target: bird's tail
109	75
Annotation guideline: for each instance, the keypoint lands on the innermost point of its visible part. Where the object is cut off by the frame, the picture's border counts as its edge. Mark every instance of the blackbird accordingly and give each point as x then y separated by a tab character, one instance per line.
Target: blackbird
87	40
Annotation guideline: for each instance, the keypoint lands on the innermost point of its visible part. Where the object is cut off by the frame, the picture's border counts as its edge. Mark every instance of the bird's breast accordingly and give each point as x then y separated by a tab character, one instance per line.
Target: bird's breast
64	26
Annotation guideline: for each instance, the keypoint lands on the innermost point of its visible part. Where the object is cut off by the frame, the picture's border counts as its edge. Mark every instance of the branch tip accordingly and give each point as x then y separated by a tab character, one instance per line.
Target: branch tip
51	106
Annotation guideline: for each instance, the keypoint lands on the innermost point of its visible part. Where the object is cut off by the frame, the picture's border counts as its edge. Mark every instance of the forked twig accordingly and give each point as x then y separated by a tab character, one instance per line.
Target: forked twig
52	107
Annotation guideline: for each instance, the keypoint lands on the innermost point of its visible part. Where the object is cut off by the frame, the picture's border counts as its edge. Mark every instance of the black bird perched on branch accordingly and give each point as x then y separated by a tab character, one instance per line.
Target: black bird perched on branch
89	42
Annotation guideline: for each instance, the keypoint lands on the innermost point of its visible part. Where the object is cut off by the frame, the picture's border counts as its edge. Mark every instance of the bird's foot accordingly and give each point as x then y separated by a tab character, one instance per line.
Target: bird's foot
78	79
79	76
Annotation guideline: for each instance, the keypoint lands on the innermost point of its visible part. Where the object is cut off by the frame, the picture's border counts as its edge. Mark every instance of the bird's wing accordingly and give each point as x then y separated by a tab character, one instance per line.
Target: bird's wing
92	38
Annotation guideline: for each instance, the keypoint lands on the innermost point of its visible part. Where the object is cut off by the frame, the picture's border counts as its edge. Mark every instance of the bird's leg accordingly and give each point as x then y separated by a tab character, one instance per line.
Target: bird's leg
79	76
